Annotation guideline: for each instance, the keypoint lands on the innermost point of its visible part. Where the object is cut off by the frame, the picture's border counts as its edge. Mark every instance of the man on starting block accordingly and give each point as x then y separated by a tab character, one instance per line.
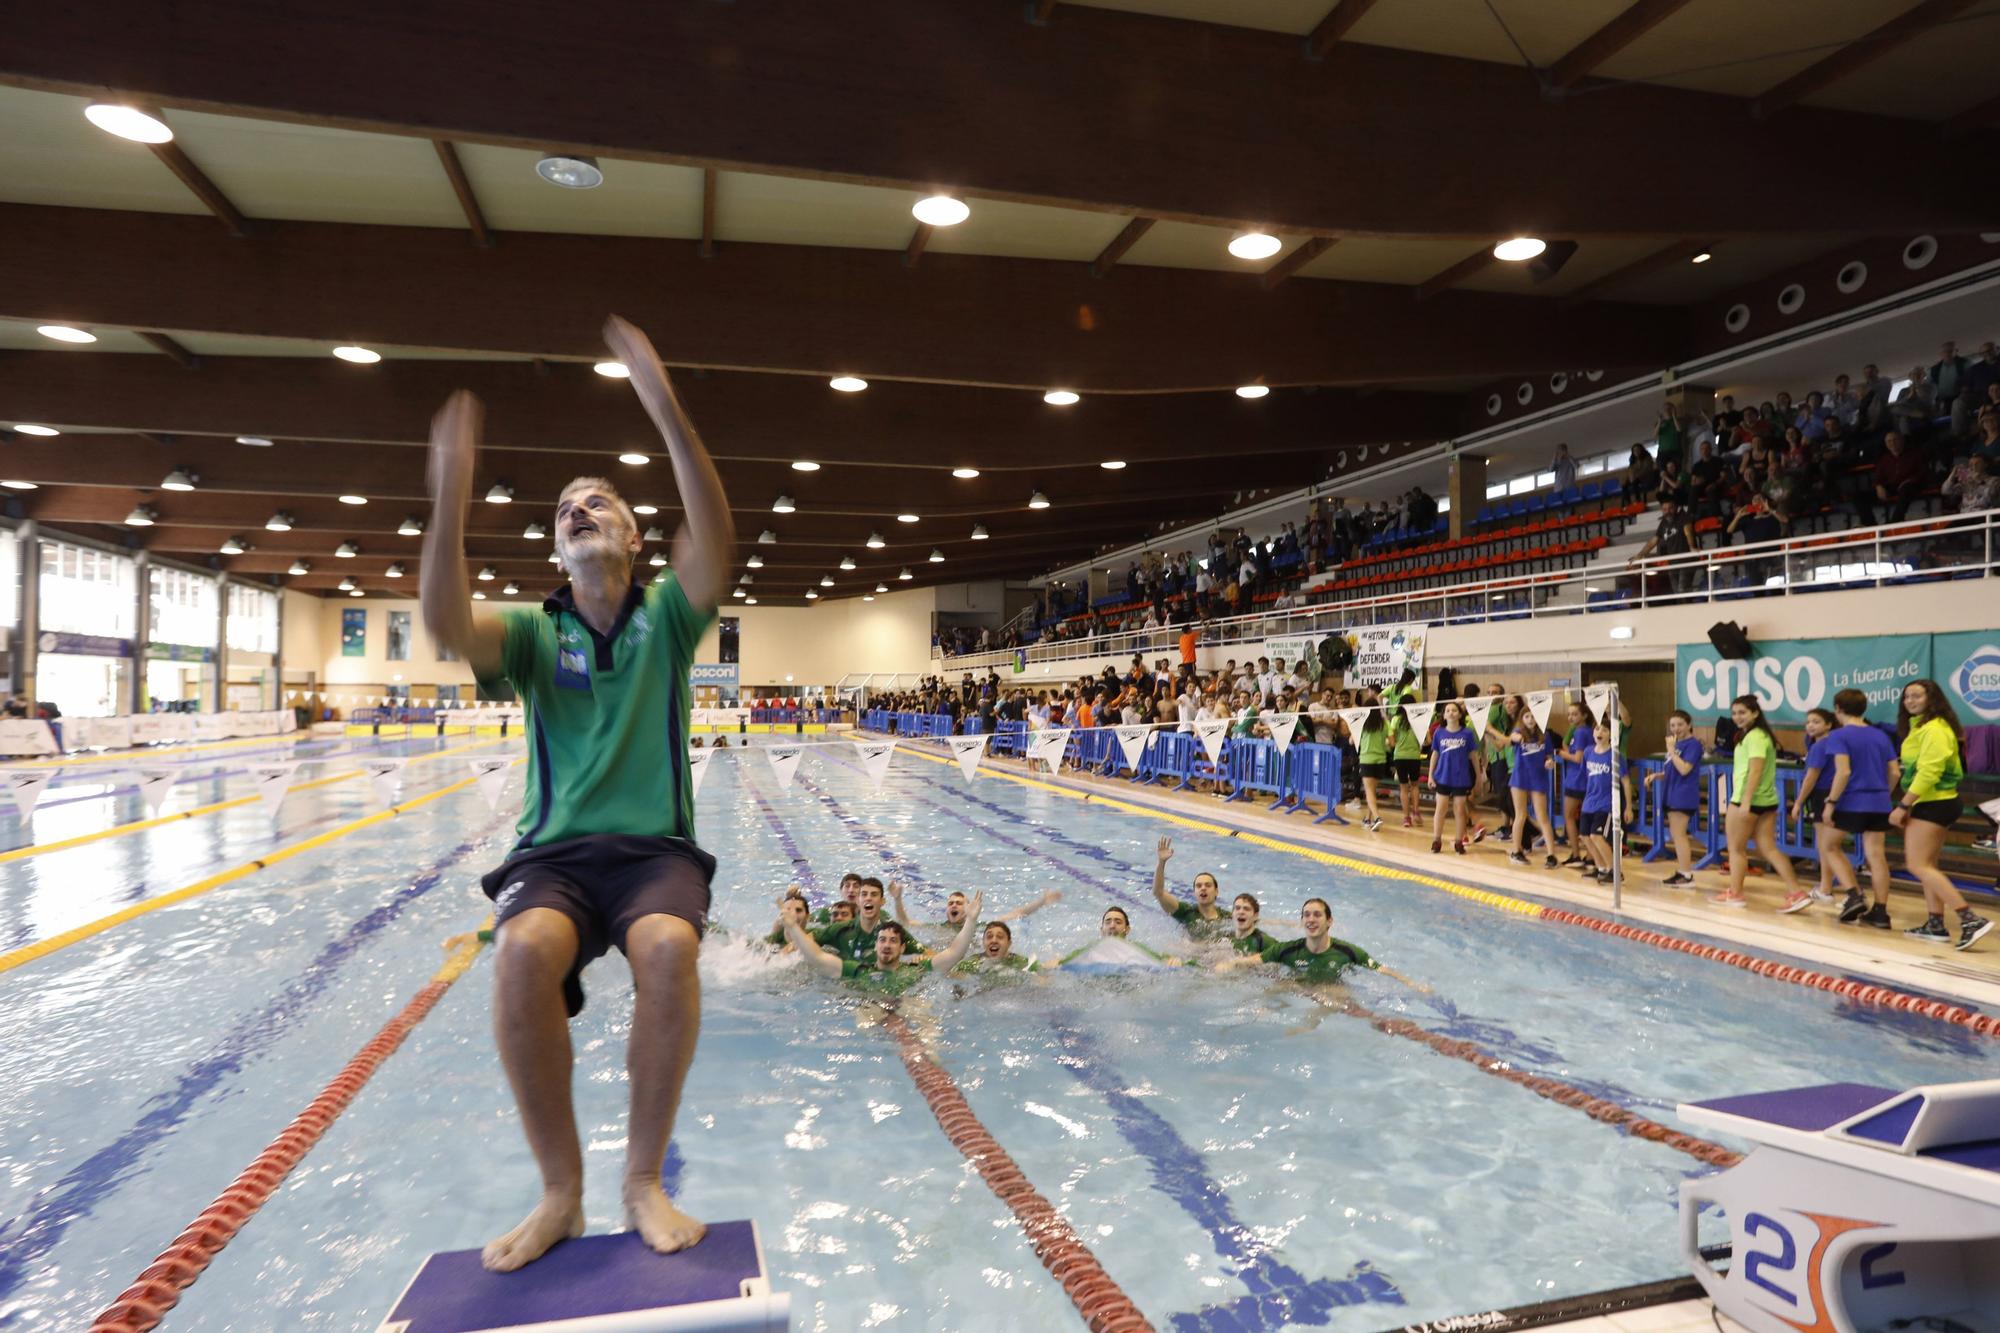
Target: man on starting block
607	852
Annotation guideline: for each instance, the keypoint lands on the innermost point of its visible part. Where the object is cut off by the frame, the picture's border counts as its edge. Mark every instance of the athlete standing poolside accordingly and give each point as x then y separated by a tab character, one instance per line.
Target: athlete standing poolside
607	853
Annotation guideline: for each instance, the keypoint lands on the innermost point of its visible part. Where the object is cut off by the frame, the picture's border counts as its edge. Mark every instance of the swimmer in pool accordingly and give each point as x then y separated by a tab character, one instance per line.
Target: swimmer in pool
791	907
1201	918
1319	957
856	939
885	970
1248	936
954	912
1116	925
606	854
996	952
850	884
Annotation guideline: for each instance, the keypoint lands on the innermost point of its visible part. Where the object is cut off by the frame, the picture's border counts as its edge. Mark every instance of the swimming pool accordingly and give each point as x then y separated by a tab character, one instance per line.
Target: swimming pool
1227	1173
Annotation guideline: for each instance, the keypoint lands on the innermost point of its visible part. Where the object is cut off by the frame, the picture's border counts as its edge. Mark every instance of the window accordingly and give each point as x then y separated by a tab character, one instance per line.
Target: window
253	619
1591	467
10	581
182	607
728	639
85	591
1544	479
1521	485
1496	491
399	636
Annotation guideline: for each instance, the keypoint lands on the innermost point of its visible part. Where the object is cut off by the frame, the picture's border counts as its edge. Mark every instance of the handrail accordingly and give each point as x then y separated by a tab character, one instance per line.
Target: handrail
1879	557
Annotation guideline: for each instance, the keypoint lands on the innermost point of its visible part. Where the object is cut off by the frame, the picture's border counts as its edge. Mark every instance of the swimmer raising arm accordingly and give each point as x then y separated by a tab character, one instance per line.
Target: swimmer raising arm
827	963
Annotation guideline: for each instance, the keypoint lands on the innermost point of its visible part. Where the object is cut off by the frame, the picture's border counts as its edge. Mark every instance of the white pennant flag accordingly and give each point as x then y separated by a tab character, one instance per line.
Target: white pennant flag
25	785
154	784
1282	726
1355	718
784	762
1132	742
273	781
385	775
1211	730
1539	704
1048	747
970	751
875	756
491	771
1420	717
698	766
1599	699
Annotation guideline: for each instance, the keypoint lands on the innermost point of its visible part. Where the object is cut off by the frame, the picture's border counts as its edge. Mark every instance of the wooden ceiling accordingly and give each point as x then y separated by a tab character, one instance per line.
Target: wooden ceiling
329	185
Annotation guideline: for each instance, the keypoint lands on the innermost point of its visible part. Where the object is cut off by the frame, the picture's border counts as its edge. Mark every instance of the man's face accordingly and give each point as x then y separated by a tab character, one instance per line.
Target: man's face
994	943
590	524
795	911
869	900
1115	924
954	909
842	913
889	948
1243	914
1869	372
1948	351
1316	920
849	886
1204	889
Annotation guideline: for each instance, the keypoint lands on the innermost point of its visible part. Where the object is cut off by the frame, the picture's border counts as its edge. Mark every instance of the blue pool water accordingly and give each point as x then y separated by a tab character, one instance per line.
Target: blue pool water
1229	1172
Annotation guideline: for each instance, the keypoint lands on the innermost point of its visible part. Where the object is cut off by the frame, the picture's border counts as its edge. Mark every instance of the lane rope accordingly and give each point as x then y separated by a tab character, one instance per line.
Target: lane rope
158	1289
43	948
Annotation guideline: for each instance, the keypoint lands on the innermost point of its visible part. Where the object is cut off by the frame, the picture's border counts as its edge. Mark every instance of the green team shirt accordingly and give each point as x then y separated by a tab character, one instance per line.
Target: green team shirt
1309	966
852	942
607	716
894	981
1373	746
1199	926
1255	942
1756	744
1409	745
1013	962
1497	752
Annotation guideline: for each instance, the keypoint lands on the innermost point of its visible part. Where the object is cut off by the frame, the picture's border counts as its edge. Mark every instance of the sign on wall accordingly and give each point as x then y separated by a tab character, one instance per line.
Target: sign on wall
1789	676
712	673
1291	649
1968	666
1383	652
354	631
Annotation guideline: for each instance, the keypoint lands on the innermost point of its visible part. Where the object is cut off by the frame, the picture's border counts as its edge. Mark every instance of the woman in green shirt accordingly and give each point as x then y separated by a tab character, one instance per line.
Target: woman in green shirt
1753	802
1372	749
1933	766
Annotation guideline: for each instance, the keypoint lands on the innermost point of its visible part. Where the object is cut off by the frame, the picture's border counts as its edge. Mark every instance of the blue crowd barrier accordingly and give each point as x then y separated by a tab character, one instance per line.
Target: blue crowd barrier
1255	768
1199	768
1009	738
1313	774
1094	748
1171	755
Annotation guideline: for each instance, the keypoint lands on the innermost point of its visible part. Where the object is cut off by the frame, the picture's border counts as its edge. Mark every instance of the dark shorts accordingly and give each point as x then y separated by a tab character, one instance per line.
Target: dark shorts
1446	789
603	883
1860	821
1814	800
1379	772
1591	823
1690	811
1945	812
1408	770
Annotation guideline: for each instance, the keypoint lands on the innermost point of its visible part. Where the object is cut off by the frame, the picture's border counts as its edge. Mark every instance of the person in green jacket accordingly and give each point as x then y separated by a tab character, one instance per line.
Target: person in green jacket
1753	802
1371	746
885	971
1933	767
1407	747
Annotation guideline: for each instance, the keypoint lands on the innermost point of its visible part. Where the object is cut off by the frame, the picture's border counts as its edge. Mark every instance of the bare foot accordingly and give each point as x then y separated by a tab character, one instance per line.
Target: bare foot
660	1224
556	1217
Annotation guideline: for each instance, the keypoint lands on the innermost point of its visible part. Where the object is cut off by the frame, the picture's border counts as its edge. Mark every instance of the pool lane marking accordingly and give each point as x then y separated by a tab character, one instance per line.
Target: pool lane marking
158	1288
140	826
801	864
1860	992
24	1239
41	949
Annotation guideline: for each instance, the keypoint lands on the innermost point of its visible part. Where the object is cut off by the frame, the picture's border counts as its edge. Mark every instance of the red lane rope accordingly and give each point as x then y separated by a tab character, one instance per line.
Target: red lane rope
1098	1298
1555	1090
142	1305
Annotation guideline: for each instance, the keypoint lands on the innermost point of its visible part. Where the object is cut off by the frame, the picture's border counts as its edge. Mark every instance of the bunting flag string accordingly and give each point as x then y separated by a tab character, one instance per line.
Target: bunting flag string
970	751
1132	742
273	781
784	762
875	757
1282	726
1210	731
491	771
25	786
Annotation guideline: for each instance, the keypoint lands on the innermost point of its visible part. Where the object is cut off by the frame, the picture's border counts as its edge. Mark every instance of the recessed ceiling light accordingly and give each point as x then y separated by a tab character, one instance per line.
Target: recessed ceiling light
128	122
656	560
27	429
511	589
1113	465
1038	501
259	441
20	485
767	538
636	460
847	562
572	172
141	517
279	522
356	592
1060	397
347	550
352	499
875	542
360	356
1519	248
811	596
534	532
805	465
647	510
554	559
613	370
63	333
1702	258
941	210
867	596
180	479
1252	390
501	494
1255	245
847	383
486	574
826	580
300	567
232	546
478	596
937	556
906	518
393	572
411	526
345	585
881	587
739	592
754	562
965	473
783	505
905	575
749	601
979	532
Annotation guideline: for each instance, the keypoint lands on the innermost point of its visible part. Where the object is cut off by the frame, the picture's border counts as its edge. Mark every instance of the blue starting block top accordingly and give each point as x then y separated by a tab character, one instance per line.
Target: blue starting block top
601	1284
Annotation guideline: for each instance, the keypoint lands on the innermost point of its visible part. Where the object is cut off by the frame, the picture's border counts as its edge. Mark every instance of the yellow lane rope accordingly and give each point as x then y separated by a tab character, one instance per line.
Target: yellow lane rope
139	826
29	953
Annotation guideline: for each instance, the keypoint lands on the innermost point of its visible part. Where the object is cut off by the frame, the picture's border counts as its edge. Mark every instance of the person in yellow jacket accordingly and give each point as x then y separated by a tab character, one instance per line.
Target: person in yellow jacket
1932	769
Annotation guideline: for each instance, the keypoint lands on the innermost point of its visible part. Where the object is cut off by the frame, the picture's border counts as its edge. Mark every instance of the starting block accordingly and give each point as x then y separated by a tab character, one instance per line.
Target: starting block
1860	1208
601	1284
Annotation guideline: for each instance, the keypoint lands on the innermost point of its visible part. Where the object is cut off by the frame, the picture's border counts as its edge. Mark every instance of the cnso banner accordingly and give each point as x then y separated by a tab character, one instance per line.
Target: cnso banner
1789	676
1968	666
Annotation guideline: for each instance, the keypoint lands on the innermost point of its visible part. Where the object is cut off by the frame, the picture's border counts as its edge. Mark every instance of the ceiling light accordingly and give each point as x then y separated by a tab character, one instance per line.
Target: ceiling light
20	485
767	538
347	550
941	210
1621	631
352	499
554	559
279	522
746	578
635	460
1252	390
847	383
1038	501
1519	248
1060	397
847	562
655	535
578	172
805	465
232	546
260	441
613	370
1255	245
875	542
511	589
534	532
754	562
1113	465
867	596
881	587
811	596
826	580
657	561
501	494
128	122
411	526
360	356
906	518
346	585
356	592
393	572
783	505
37	430
905	576
300	567
937	556
749	601
738	592
141	517
180	479
486	574
647	510
478	596
979	532
63	333
965	473
1701	258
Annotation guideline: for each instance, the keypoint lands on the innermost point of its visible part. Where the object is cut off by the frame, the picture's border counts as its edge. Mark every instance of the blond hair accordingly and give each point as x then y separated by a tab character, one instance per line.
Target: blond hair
604	487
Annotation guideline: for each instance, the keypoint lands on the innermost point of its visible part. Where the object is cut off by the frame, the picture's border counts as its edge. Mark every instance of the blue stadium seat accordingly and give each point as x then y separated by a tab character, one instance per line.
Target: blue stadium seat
1591	492
1571	497
1485	517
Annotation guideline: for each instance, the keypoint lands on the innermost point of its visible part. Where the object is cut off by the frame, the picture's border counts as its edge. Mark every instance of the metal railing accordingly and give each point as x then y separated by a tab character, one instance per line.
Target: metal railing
1954	546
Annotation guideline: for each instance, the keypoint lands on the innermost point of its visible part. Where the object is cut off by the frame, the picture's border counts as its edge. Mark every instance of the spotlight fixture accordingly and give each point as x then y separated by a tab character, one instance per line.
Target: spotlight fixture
577	171
501	494
746	578
478	596
656	560
965	473
906	518
937	556
395	571
534	532
300	567
847	562
979	532
44	432
634	459
180	479
1038	501
142	516
783	505
804	465
1113	465
654	535
767	538
881	587
554	559
875	542
867	596
360	356
647	510
20	485
1519	248
347	550
356	592
279	522
232	546
346	585
352	499
905	575
739	592
1060	397
486	574
940	210
749	601
511	589
847	383
1252	390
826	580
411	526
613	370
1255	245
1701	258
63	333
811	595
128	122
754	562
259	441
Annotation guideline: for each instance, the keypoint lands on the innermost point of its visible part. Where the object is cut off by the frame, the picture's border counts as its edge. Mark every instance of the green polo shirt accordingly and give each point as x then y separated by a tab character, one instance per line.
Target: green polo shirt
1255	942
1012	962
607	715
894	981
1409	745
854	942
1200	927
1303	963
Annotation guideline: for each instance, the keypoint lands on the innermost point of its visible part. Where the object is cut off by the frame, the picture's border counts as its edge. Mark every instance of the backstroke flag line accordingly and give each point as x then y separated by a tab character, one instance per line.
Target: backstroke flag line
491	771
273	781
1049	746
1211	730
1132	743
970	751
784	762
875	757
1282	726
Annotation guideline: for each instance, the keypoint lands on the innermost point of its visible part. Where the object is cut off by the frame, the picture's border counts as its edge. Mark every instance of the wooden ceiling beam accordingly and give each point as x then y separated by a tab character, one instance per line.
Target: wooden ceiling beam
1312	248
1127	237
1476	262
166	346
176	160
1638	19
1334	25
1857	54
454	171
